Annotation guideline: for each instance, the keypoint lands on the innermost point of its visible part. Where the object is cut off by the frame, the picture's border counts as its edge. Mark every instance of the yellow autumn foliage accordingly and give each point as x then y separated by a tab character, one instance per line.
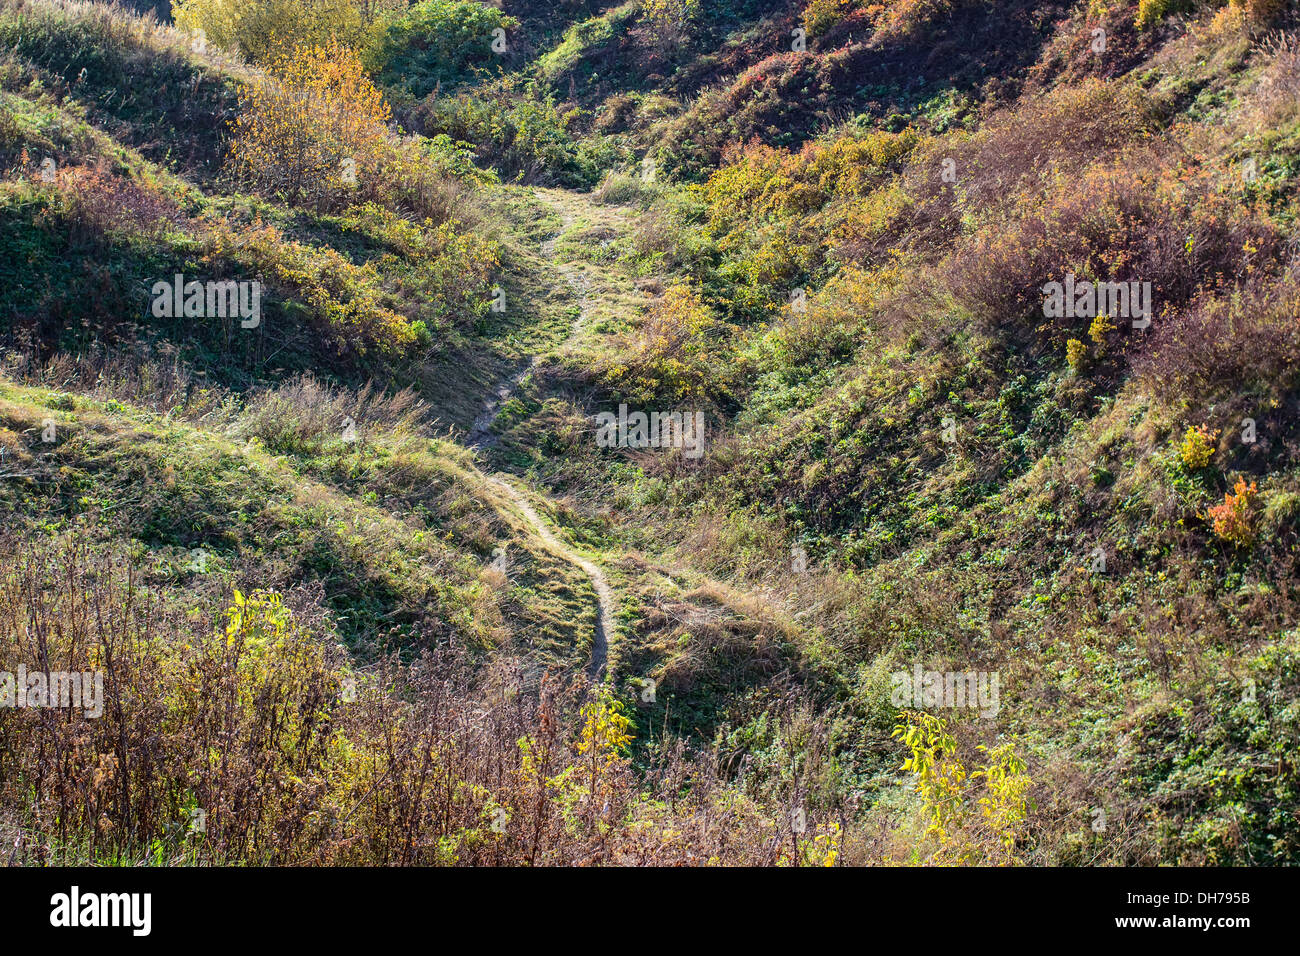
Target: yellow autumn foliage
313	130
261	30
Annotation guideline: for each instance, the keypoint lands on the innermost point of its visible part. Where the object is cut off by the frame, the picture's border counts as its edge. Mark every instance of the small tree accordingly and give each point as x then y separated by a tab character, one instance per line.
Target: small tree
999	788
820	15
262	29
313	131
667	19
940	775
603	742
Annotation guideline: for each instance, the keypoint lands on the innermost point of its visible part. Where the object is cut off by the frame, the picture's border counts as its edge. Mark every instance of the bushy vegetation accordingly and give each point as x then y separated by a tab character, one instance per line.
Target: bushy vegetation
313	130
297	757
264	30
957	470
514	130
436	42
312	138
366	589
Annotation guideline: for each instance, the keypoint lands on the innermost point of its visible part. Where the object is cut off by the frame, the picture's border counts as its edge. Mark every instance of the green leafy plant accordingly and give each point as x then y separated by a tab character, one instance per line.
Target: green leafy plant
436	43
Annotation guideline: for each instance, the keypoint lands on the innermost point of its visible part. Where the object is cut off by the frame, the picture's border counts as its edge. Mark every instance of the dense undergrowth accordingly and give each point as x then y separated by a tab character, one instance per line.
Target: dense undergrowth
831	227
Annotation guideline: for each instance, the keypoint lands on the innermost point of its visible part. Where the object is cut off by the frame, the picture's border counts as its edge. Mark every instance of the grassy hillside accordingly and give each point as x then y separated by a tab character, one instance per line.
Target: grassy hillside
373	544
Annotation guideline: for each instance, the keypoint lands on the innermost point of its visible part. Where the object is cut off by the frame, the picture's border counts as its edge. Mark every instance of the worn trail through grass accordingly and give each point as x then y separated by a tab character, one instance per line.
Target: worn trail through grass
481	437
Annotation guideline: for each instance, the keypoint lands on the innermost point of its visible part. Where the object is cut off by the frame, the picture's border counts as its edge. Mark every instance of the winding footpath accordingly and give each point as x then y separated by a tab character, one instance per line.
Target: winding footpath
482	438
604	594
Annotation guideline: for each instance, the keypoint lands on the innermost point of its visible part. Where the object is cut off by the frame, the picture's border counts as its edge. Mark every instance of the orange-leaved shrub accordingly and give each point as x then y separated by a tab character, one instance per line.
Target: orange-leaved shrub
314	131
1235	519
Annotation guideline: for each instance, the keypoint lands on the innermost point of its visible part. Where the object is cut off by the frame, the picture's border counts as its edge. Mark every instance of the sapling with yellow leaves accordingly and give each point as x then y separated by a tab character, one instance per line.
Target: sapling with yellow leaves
950	793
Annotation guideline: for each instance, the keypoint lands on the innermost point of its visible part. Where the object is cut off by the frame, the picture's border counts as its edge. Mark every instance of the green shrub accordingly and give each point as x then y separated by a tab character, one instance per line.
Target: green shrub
513	130
821	15
437	42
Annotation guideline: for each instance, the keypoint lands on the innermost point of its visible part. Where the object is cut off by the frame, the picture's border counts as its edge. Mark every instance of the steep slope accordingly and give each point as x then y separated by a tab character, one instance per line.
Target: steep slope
919	465
831	229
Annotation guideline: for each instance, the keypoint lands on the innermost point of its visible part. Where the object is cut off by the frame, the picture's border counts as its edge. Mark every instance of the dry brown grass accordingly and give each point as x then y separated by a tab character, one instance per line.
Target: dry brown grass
297	758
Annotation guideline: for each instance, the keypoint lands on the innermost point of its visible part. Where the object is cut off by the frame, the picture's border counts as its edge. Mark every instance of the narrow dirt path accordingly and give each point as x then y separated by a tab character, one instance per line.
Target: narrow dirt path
604	593
480	433
481	437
